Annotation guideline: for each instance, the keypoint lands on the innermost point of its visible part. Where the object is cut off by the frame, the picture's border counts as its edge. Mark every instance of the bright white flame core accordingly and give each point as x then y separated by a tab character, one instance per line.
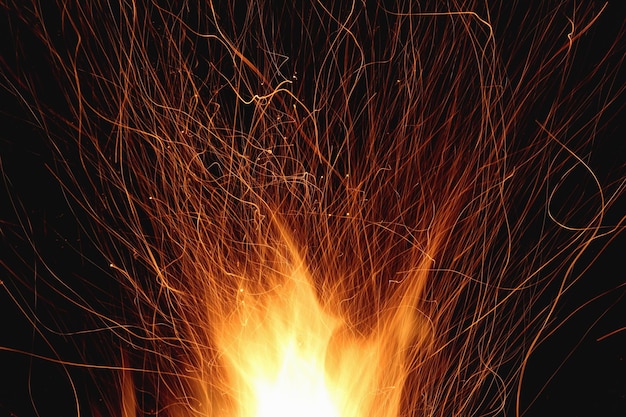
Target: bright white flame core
277	344
299	389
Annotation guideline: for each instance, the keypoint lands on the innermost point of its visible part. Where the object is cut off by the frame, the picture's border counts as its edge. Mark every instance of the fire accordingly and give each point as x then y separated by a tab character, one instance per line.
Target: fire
279	355
346	211
289	355
289	348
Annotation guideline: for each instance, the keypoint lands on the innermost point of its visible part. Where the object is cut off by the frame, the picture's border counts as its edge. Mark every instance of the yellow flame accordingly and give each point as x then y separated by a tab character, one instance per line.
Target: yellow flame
289	355
277	346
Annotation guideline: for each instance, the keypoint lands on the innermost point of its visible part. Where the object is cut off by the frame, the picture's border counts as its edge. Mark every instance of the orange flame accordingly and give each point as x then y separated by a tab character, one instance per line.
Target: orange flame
289	355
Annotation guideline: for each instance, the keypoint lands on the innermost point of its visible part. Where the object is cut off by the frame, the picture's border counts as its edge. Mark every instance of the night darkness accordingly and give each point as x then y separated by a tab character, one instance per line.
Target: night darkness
45	243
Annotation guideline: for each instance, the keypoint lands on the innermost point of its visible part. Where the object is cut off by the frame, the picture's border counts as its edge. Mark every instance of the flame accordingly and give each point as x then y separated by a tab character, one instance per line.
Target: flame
327	211
290	354
279	353
277	343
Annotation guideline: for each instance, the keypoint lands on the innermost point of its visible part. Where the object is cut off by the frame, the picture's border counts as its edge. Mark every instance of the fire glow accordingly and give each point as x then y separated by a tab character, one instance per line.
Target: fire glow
289	355
279	355
320	212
